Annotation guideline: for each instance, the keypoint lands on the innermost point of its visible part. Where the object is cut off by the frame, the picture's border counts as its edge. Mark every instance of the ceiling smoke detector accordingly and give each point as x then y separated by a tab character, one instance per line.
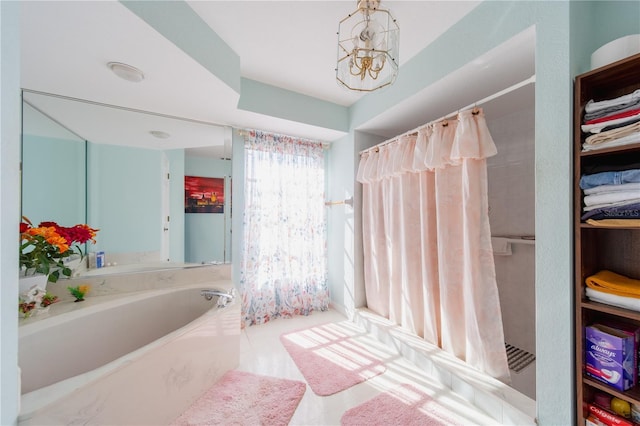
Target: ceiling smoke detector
126	72
160	134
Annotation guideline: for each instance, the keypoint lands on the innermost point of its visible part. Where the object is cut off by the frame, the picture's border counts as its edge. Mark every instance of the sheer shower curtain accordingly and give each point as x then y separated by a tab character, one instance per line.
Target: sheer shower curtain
284	262
428	260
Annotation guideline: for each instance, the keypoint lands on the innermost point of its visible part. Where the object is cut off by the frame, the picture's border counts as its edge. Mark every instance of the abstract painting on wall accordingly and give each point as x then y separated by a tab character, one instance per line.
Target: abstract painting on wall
203	194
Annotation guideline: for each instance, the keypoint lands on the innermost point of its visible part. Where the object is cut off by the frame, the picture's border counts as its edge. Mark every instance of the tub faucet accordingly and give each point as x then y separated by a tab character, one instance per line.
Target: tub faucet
224	298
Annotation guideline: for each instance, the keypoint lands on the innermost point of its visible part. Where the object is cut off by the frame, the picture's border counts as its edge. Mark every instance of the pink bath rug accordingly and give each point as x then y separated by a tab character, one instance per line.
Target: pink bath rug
404	405
332	357
247	399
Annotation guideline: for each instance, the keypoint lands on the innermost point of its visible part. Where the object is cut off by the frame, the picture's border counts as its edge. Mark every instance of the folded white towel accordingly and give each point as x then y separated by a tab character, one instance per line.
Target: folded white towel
501	246
613	299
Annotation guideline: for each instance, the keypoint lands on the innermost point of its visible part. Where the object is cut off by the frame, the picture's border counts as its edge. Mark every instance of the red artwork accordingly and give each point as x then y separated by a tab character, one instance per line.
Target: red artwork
203	194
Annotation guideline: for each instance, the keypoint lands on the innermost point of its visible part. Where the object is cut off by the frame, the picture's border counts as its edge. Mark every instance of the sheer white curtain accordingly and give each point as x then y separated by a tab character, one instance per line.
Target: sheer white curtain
428	260
284	262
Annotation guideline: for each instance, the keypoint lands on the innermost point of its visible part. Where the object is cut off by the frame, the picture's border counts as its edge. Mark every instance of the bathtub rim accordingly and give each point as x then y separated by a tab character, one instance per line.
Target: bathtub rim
143	267
33	401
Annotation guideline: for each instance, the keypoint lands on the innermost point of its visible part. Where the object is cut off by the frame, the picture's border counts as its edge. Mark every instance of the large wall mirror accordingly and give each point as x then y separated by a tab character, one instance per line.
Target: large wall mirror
53	170
123	171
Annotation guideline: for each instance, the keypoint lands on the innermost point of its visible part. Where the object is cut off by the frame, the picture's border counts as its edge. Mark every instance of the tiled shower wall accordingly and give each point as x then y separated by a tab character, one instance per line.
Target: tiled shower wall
511	176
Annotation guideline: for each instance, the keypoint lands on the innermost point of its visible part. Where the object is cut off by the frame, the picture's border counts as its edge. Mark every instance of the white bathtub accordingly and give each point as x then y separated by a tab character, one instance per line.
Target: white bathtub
139	358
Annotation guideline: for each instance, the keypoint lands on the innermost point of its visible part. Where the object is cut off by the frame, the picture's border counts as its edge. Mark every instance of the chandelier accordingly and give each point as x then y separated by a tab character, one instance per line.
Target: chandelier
367	48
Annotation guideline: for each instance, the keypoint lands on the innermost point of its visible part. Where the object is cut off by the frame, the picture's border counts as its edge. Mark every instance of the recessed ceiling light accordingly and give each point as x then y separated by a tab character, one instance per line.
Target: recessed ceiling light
160	134
126	72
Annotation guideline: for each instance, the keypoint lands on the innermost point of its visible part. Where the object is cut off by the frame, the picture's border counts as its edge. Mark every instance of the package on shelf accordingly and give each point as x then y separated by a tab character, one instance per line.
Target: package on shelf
610	356
630	330
599	416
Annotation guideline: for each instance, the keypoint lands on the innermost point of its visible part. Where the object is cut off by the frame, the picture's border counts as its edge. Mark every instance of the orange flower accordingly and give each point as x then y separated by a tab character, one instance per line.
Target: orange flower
44	249
52	237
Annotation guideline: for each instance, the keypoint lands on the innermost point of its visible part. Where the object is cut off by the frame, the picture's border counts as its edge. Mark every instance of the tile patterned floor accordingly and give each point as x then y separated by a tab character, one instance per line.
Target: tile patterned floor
262	353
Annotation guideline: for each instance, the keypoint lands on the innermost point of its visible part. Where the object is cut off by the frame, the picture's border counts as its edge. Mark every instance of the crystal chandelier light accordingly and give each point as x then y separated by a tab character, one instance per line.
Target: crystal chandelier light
367	48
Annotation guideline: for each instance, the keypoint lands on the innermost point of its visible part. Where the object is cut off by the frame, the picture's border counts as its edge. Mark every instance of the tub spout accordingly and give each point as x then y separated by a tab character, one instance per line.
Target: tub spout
224	298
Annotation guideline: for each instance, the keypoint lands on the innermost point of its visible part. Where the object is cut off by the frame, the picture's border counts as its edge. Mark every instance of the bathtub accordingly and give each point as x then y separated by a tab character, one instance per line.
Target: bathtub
138	358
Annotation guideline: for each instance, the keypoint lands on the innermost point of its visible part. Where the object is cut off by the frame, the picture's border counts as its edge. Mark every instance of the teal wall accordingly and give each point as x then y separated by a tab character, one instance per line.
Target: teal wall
124	192
124	199
10	119
258	97
208	235
566	34
612	20
346	284
53	180
596	23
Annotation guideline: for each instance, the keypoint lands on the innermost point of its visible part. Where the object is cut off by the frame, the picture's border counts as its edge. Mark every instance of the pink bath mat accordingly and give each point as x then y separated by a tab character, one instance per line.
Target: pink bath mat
332	358
247	399
404	405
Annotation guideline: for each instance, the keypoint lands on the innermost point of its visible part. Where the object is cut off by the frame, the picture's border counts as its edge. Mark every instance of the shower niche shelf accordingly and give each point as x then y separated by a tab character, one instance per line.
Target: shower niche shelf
598	247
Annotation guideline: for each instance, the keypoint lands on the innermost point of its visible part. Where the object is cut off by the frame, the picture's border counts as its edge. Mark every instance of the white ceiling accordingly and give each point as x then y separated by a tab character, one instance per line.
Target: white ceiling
289	44
293	44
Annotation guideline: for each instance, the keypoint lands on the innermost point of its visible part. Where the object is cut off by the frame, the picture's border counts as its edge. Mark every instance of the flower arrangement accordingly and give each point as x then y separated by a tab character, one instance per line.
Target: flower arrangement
34	299
43	249
79	291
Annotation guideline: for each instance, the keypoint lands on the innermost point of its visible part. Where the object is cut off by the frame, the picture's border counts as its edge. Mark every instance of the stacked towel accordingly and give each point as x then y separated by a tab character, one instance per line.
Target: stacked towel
611	283
595	110
611	195
612	122
625	135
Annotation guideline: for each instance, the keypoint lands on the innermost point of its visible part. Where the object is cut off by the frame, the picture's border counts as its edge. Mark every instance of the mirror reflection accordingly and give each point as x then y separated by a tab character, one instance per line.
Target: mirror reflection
127	182
53	170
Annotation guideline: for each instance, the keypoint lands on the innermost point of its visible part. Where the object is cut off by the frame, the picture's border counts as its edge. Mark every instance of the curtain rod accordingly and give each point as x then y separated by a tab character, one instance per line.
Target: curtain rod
489	98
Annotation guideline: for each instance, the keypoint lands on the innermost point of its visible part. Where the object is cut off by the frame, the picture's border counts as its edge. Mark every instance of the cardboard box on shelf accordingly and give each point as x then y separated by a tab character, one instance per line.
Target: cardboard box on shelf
610	356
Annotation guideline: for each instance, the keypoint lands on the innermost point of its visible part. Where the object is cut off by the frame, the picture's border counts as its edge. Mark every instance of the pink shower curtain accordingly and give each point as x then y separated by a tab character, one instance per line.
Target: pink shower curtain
428	260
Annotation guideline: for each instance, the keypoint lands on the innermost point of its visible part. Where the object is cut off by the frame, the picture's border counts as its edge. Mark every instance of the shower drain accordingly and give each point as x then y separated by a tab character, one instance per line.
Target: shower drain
518	358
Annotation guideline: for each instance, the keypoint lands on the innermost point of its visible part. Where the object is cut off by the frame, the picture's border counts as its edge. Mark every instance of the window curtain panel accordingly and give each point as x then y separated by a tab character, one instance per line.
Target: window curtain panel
284	261
428	260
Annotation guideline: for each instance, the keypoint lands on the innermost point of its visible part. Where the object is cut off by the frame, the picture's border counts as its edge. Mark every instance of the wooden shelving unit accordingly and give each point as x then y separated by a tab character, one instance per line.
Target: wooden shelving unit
598	247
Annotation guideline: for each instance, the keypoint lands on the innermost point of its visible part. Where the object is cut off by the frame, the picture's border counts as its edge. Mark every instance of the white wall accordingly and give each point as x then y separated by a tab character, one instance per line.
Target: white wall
176	205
